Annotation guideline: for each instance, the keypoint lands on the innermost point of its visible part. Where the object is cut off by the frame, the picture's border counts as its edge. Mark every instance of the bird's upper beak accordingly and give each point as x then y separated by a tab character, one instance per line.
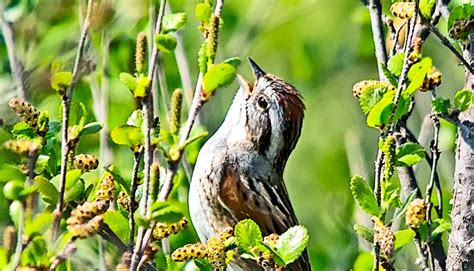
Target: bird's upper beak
257	71
245	84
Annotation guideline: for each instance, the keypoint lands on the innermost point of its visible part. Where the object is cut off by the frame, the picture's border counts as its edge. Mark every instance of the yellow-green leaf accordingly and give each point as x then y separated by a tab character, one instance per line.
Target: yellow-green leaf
61	80
217	76
166	43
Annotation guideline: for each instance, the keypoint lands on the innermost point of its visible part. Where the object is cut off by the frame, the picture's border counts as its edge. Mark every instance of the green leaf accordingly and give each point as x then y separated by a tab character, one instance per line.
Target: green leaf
217	76
72	177
417	74
364	262
166	43
425	7
409	154
440	105
292	243
443	226
379	115
127	135
395	64
462	99
128	80
234	61
136	118
203	12
47	189
173	22
90	128
118	223
41	163
143	85
166	212
74	192
13	190
61	80
195	138
364	195
402	238
40	224
16	212
22	130
390	76
247	234
141	220
364	232
400	212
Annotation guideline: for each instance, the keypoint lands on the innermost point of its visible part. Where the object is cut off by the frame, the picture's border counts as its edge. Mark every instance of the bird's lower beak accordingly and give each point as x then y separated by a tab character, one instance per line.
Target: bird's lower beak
246	85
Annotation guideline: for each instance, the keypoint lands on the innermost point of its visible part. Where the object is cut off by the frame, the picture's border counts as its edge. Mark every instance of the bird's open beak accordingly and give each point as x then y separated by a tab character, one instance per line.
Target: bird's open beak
246	85
257	71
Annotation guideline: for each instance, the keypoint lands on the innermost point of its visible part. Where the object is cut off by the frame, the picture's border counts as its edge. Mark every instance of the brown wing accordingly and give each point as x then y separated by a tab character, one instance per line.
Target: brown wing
265	201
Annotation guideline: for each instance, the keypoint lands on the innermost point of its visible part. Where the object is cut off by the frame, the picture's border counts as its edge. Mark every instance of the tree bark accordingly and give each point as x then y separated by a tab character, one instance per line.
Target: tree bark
461	239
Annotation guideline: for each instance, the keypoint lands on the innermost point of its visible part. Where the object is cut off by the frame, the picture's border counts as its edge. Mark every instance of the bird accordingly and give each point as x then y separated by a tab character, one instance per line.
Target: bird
239	170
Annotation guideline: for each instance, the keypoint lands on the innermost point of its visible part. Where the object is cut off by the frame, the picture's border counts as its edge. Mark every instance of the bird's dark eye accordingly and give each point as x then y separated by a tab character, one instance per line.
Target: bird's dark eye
262	102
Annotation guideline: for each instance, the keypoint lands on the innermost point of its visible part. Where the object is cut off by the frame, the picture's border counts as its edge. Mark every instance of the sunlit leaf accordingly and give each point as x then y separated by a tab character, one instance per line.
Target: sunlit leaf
425	7
118	223
247	234
127	135
128	80
292	243
47	189
443	226
364	195
173	22
417	74
395	64
402	238
462	99
61	80
218	75
409	154
203	12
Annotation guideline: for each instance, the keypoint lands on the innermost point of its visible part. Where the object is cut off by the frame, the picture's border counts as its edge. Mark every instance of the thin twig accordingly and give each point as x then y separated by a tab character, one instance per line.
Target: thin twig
429	189
378	196
172	168
66	103
15	65
406	66
448	44
410	136
137	156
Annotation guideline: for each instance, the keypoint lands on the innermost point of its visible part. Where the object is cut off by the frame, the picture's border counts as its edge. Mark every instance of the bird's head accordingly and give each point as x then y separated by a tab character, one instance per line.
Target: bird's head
266	116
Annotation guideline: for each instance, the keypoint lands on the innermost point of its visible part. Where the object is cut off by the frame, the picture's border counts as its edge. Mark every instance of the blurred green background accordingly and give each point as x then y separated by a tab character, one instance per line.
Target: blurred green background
321	47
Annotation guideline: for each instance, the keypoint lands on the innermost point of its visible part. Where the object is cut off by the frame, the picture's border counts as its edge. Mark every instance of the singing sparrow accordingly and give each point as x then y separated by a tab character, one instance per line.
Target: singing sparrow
239	170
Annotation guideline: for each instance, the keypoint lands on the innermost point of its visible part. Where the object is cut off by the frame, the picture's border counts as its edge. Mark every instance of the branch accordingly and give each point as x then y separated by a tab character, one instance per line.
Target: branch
194	110
66	103
147	109
137	156
448	44
375	9
15	65
461	238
